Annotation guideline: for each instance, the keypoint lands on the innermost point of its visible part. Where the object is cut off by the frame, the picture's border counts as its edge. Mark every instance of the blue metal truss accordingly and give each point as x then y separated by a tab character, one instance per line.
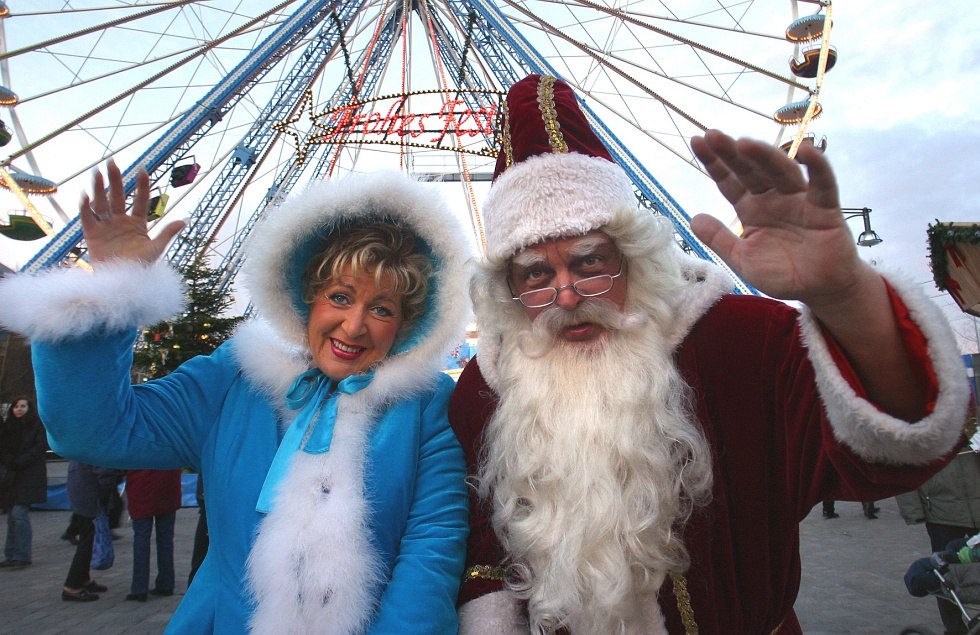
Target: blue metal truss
481	35
205	220
176	142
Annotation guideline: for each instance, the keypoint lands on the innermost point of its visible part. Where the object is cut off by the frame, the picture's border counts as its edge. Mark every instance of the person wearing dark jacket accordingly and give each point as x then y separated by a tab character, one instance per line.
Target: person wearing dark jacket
86	484
154	498
22	448
949	505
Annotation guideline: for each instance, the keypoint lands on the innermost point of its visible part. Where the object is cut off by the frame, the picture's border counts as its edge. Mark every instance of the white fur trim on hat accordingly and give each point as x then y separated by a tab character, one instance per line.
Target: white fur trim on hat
550	196
62	304
874	435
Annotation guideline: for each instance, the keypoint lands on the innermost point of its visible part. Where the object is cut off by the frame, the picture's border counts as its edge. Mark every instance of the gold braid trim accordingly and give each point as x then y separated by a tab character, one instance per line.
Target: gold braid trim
684	603
505	133
683	598
485	572
681	594
549	114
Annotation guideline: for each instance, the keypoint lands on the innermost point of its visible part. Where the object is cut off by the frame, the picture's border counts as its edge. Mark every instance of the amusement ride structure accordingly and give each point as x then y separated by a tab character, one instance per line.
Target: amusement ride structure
229	105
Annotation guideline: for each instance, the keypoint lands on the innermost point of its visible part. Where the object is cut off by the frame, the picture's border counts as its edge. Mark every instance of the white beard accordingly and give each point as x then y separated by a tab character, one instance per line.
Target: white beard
593	463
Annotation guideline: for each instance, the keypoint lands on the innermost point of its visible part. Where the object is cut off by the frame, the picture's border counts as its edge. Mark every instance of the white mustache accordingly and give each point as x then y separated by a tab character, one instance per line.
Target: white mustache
539	339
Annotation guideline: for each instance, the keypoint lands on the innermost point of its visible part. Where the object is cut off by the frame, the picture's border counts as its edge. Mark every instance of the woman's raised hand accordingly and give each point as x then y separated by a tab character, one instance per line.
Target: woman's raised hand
113	234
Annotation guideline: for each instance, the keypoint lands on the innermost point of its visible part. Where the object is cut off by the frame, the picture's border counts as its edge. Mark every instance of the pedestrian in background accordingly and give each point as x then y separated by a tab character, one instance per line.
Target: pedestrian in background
22	448
201	539
86	484
949	505
829	510
154	498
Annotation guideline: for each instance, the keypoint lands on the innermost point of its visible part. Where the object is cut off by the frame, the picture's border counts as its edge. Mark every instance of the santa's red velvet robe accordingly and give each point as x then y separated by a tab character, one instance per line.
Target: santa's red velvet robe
775	455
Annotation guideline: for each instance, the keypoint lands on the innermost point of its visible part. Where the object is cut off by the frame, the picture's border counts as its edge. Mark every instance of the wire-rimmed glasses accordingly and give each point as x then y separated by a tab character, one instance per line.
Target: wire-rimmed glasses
586	287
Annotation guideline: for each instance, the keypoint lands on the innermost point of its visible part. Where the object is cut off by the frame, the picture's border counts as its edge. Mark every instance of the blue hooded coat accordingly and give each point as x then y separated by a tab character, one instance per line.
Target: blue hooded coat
366	524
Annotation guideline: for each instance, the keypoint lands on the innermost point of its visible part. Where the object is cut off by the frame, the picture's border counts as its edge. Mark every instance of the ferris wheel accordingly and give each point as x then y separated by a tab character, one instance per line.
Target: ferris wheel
229	105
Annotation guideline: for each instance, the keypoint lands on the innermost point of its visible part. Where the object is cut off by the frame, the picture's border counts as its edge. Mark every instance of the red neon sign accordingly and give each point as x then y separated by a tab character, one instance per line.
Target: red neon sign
351	124
349	120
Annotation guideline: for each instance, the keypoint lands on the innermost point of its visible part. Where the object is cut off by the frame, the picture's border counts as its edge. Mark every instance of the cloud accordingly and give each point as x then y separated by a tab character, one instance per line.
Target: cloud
899	66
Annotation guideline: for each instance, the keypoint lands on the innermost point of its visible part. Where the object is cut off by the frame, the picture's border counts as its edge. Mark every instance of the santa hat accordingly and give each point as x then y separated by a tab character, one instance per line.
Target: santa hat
554	177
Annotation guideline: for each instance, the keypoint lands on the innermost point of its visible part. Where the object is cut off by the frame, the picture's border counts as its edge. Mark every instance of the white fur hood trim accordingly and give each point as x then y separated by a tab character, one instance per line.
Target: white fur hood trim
269	363
62	304
874	435
272	271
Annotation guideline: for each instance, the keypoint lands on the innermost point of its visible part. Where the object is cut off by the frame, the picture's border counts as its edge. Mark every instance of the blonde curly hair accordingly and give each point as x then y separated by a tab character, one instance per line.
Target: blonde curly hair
386	248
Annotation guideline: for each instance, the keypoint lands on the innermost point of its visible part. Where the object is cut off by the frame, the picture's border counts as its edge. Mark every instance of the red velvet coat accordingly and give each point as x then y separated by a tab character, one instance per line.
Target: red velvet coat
152	492
775	456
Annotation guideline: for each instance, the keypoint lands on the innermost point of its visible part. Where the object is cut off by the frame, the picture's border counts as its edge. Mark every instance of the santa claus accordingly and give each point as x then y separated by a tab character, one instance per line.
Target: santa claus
643	444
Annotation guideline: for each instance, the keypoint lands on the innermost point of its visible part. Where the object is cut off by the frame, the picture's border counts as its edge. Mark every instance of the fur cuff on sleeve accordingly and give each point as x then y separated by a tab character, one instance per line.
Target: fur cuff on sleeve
874	435
68	303
497	613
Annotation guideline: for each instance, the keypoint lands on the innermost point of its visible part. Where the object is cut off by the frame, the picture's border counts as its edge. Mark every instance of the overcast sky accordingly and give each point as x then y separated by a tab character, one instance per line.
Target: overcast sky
900	115
901	118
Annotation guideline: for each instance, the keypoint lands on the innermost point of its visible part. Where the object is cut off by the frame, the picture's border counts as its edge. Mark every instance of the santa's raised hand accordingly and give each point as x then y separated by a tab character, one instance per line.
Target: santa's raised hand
114	233
796	246
795	243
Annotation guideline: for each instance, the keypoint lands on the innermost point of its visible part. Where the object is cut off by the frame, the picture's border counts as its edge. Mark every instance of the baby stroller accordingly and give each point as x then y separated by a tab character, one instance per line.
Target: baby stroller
952	575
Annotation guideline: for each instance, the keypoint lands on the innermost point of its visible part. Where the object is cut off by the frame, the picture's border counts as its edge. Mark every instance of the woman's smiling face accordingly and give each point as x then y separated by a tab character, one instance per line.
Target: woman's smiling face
353	324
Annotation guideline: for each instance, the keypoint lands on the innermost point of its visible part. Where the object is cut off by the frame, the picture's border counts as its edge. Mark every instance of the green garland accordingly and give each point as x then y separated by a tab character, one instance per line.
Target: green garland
970	427
940	235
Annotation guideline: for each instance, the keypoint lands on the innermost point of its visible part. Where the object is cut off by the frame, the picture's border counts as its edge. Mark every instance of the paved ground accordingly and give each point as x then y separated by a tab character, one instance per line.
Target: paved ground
30	599
853	570
852	579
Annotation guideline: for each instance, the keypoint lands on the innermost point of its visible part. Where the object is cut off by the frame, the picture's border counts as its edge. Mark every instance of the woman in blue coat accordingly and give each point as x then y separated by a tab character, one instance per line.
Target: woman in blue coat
336	499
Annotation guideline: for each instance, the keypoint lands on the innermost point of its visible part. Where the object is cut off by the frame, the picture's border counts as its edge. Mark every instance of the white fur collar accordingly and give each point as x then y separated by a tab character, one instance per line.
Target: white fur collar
706	284
269	363
313	567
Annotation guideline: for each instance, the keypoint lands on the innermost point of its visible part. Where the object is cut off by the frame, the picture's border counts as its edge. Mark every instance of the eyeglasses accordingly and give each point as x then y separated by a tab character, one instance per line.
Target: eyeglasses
586	287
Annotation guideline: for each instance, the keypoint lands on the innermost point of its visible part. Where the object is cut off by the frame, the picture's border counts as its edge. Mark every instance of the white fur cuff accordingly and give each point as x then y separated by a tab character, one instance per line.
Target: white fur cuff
68	303
497	613
874	435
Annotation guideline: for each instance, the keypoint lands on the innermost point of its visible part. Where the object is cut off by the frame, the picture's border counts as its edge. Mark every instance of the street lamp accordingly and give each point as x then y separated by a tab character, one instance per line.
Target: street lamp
869	237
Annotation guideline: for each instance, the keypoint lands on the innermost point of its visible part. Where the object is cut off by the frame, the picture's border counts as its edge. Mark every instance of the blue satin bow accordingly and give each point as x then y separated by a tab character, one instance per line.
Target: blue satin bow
312	394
